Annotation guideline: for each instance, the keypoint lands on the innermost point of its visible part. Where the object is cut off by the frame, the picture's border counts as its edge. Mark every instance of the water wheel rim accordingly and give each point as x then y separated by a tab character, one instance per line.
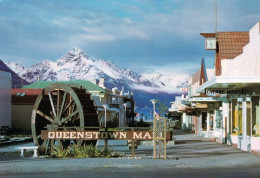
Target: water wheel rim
54	87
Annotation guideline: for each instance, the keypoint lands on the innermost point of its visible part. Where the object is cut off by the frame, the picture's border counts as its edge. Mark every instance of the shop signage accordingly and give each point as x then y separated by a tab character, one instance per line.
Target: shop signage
183	89
97	135
224	91
201	105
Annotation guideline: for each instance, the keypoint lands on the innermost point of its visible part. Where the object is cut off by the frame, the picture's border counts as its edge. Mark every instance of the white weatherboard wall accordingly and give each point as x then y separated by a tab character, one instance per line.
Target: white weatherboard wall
248	63
5	98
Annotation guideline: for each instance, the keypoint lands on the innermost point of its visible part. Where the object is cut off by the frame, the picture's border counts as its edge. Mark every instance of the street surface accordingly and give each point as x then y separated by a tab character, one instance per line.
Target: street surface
192	156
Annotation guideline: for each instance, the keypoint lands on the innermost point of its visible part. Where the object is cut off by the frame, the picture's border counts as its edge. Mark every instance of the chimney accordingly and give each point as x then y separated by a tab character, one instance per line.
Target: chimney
93	80
101	83
122	91
114	90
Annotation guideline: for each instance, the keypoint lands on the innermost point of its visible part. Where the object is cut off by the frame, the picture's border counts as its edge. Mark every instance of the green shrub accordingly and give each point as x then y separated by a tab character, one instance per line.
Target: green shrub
85	151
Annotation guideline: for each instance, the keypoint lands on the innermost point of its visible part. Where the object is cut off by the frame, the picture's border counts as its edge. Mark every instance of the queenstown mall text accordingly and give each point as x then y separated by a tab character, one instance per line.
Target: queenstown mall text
97	135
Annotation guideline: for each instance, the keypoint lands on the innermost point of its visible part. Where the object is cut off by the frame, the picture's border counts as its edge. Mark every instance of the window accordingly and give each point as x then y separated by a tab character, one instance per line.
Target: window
234	117
211	120
255	116
204	121
248	118
218	119
229	115
239	118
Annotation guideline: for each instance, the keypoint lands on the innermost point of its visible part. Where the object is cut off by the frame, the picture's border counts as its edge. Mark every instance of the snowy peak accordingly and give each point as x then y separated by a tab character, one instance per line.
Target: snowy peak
75	56
77	52
76	65
15	66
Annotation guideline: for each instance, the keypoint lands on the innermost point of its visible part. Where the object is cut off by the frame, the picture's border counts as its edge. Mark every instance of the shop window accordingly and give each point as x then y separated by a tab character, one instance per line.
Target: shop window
229	117
234	117
239	118
218	119
204	121
255	116
211	120
248	118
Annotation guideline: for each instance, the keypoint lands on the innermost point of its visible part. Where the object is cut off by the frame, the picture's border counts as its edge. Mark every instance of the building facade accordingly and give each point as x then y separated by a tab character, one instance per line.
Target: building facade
113	106
238	85
5	99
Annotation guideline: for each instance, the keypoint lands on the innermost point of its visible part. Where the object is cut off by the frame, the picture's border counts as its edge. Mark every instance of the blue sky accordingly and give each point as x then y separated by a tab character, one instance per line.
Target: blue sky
141	35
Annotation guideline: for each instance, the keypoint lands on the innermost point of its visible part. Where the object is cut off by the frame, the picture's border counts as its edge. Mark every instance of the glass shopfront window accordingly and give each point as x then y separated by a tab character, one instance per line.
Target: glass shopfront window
255	116
218	119
234	117
229	117
204	121
239	118
211	120
248	118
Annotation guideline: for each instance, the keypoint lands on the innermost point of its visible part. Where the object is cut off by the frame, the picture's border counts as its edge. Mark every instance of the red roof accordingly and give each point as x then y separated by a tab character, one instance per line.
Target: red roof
231	44
26	91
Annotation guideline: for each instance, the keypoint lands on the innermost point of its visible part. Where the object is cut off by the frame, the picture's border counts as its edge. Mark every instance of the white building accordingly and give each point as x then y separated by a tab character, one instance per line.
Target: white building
5	98
237	81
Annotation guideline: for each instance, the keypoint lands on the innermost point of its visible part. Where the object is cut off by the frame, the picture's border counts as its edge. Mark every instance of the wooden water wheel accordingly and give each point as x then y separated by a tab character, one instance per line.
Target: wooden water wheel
62	107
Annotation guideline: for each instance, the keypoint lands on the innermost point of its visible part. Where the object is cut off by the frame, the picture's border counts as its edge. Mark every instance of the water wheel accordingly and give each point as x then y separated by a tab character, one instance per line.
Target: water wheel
62	107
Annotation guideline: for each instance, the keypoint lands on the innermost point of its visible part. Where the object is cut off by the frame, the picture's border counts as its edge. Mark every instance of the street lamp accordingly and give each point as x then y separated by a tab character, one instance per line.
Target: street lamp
125	105
105	107
154	101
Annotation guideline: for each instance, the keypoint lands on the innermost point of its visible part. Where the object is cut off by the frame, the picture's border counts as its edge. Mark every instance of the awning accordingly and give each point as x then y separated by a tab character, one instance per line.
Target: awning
201	99
224	82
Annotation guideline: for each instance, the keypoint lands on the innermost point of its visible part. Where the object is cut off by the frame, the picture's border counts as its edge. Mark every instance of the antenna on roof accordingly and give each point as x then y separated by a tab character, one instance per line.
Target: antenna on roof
216	16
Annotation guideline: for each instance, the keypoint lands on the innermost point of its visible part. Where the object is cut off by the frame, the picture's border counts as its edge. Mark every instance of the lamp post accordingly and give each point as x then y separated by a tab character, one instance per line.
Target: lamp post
154	101
105	107
125	105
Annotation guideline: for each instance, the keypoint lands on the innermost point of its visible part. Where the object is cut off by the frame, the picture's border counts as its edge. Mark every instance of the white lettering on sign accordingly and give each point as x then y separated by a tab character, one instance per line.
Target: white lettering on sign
51	135
135	136
122	135
113	134
95	135
147	136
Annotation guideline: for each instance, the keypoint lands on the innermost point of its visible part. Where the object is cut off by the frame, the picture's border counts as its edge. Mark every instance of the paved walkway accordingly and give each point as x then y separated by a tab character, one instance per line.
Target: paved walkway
190	151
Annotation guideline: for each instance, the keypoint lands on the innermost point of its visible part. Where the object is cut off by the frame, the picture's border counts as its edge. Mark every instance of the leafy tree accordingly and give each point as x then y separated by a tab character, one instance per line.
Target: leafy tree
163	108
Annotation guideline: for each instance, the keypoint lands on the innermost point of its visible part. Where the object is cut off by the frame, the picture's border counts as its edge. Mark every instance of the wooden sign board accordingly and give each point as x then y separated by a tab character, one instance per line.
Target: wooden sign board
201	105
99	135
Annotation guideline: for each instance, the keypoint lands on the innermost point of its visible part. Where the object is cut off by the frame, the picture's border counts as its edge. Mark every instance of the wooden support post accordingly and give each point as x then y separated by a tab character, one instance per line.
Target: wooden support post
106	140
133	145
133	148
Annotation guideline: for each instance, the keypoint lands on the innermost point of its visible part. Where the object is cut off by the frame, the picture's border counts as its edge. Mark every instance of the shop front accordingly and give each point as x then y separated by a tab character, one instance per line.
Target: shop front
237	119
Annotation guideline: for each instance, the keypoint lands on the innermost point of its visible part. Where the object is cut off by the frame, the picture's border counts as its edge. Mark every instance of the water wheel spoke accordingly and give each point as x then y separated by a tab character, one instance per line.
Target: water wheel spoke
39	136
67	107
69	116
45	116
52	105
62	104
58	102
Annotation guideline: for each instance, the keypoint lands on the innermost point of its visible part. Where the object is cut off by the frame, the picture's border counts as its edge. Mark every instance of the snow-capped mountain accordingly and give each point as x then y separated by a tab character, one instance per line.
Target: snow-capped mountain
77	65
170	83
